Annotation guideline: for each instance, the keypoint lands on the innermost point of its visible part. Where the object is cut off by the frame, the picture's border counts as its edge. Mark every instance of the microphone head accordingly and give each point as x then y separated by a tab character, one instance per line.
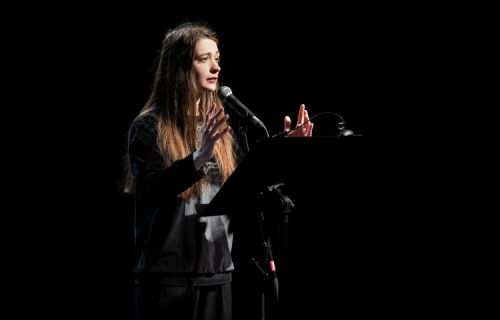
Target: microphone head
224	92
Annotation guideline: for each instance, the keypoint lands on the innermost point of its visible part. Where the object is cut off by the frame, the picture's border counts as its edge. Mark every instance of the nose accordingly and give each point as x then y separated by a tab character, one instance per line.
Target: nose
215	67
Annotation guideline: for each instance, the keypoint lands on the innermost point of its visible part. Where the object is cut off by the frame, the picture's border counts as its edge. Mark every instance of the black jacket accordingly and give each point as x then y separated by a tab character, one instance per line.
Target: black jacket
174	245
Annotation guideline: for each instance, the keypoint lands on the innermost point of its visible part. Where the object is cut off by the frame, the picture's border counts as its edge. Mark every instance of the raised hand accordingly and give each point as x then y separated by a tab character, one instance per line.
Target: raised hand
211	133
303	131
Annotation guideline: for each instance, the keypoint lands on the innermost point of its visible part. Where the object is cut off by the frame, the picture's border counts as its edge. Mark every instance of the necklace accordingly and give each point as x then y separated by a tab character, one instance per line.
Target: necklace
200	123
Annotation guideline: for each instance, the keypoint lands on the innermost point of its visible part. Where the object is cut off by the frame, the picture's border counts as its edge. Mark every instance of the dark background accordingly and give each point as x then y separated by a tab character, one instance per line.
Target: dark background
359	250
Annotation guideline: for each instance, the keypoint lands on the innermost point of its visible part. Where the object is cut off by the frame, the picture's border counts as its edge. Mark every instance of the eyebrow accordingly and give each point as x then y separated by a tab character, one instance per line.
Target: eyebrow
201	54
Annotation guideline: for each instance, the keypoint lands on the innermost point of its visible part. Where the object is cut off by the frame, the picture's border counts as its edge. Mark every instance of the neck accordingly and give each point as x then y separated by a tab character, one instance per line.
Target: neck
198	107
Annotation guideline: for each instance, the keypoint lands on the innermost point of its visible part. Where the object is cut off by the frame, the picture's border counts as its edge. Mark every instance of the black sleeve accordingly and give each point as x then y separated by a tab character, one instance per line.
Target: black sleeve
155	183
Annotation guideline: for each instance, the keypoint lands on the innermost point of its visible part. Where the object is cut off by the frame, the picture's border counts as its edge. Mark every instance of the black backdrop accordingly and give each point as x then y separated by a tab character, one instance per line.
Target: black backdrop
364	63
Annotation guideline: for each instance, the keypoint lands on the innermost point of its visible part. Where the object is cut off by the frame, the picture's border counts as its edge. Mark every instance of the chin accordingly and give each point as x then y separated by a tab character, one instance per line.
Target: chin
209	89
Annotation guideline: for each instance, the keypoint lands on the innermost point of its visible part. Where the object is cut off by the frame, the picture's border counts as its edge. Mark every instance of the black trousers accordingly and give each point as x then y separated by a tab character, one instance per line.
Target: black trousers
183	303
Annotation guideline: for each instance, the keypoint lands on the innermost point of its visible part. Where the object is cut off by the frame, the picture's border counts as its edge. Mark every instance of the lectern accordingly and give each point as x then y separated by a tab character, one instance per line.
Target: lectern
285	174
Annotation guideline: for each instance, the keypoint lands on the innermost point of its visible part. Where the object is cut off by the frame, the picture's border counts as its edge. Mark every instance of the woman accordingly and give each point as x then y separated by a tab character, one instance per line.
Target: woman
180	152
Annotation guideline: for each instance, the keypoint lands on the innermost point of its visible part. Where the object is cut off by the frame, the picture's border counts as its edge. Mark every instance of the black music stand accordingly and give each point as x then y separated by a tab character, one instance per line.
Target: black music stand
278	174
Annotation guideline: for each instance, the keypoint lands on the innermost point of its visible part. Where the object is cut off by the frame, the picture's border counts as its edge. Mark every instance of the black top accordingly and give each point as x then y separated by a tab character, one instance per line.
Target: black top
174	245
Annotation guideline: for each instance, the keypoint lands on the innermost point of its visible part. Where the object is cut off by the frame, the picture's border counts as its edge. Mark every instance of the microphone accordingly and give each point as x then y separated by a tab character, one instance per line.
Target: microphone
226	95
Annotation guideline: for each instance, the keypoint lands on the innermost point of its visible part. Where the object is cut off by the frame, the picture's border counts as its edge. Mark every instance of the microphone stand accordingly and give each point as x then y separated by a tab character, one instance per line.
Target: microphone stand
273	202
267	276
243	128
266	245
278	204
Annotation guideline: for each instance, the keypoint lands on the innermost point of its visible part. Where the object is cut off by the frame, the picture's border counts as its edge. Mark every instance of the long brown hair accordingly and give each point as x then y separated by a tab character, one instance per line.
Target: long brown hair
174	100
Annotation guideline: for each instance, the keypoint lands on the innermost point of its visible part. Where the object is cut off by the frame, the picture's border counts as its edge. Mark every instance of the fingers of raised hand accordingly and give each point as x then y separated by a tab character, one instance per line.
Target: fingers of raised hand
209	113
306	128
222	132
220	122
309	132
288	123
212	108
307	125
213	124
300	119
215	135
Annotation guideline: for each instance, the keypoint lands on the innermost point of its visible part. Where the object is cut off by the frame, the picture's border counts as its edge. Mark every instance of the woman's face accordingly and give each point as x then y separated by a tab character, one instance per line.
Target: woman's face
206	65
